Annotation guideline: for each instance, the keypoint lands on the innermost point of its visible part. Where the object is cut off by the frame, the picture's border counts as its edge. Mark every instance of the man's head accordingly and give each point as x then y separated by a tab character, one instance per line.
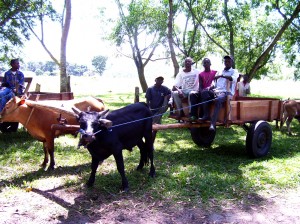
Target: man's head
15	65
206	64
159	80
188	62
228	61
246	78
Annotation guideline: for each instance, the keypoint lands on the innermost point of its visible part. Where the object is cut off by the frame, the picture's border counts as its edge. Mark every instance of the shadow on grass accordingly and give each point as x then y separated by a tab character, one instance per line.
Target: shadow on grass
214	172
41	173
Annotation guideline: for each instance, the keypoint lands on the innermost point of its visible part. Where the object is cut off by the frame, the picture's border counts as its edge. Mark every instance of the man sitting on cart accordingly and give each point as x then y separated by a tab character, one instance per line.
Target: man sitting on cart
12	84
186	83
206	78
218	91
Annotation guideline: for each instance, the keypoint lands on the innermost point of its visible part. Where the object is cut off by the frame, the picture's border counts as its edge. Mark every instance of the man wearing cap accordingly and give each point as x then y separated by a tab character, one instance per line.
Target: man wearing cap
218	91
186	83
157	97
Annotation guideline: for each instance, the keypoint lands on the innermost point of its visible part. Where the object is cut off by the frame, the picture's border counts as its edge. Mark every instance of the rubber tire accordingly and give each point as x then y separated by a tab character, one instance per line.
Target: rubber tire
203	136
259	139
7	127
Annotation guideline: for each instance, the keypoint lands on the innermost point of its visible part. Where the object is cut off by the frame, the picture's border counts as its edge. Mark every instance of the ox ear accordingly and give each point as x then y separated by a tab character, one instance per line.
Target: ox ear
105	123
103	113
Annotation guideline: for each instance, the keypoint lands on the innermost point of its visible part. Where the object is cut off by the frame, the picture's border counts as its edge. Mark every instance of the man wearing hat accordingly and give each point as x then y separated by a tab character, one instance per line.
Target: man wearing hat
219	91
157	97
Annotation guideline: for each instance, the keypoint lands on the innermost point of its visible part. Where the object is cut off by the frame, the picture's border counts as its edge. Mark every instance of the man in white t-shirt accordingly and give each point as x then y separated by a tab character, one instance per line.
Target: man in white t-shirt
186	83
218	91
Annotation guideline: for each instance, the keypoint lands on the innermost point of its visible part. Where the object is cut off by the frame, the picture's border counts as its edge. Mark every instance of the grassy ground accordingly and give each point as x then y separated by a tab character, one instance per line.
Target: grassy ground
185	172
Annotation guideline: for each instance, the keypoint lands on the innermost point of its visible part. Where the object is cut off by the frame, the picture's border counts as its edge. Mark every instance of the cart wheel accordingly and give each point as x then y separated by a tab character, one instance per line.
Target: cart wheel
202	136
7	127
259	139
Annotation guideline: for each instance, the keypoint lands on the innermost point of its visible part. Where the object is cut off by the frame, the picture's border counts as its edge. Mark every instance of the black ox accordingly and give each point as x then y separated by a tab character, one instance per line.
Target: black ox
106	134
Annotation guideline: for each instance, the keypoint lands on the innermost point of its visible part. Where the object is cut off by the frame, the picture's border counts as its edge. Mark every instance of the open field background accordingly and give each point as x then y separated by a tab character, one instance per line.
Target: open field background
102	85
220	184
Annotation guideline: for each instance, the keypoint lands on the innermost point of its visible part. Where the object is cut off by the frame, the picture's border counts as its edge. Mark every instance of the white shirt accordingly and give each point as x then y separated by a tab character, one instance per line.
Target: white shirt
188	80
221	84
242	88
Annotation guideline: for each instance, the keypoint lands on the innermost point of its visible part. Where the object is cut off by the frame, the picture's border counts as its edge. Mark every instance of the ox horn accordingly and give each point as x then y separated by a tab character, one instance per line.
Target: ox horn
104	113
106	123
76	110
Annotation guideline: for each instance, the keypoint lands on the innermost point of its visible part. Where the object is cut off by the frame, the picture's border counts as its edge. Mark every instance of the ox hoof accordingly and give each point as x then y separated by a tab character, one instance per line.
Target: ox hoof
50	168
152	174
89	184
139	167
125	189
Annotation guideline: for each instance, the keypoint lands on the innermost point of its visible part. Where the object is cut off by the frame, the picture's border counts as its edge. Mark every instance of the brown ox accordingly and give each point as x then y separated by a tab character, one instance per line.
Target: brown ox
38	118
291	109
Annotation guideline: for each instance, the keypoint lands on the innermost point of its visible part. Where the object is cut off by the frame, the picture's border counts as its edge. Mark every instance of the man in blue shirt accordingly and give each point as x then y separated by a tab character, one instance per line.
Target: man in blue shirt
14	79
157	97
12	84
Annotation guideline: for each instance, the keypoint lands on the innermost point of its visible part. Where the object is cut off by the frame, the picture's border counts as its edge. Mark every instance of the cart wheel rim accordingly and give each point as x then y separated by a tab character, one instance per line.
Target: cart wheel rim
262	140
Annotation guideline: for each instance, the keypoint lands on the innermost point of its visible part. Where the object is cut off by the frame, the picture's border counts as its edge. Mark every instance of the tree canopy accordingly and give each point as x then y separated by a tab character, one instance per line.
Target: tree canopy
14	16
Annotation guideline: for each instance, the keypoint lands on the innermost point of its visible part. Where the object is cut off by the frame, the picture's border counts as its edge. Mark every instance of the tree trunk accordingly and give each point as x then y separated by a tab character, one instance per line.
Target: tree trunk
170	39
229	23
141	73
265	54
64	81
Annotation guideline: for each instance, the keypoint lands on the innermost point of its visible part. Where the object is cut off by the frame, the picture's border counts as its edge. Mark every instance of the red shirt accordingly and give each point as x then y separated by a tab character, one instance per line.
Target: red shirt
207	78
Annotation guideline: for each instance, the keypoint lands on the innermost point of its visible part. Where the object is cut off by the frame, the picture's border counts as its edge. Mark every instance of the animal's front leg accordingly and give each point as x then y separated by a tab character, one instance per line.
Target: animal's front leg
46	155
288	125
143	153
50	147
121	169
94	166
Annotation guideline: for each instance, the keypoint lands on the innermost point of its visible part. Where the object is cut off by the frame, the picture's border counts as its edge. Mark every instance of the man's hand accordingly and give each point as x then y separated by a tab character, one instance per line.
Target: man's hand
180	94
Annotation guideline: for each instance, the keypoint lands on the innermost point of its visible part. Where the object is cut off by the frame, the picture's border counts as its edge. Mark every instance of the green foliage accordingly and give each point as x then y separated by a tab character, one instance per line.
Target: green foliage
15	15
51	68
245	29
76	70
99	62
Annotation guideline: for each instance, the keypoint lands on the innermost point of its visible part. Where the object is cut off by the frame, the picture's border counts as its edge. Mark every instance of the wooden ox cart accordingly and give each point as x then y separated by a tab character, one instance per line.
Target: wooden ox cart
251	113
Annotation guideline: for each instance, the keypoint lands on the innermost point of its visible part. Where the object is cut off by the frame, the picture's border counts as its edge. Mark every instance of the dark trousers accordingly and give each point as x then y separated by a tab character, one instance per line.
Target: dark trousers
207	95
195	99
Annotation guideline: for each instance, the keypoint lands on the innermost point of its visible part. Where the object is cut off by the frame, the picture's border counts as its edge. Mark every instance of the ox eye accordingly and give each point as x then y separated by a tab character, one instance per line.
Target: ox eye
83	125
95	124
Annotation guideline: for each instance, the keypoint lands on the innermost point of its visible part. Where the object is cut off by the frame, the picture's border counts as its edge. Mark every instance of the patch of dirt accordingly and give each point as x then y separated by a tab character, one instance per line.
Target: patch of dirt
61	205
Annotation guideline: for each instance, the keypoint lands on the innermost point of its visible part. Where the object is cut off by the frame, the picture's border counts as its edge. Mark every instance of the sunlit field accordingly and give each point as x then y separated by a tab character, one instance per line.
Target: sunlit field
97	85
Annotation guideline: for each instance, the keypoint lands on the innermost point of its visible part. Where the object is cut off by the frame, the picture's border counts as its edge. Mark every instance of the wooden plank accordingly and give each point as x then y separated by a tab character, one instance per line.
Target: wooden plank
27	81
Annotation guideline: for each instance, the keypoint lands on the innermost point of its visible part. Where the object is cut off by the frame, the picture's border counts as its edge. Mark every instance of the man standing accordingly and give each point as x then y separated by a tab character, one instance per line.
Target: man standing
243	87
157	97
219	91
186	82
205	79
